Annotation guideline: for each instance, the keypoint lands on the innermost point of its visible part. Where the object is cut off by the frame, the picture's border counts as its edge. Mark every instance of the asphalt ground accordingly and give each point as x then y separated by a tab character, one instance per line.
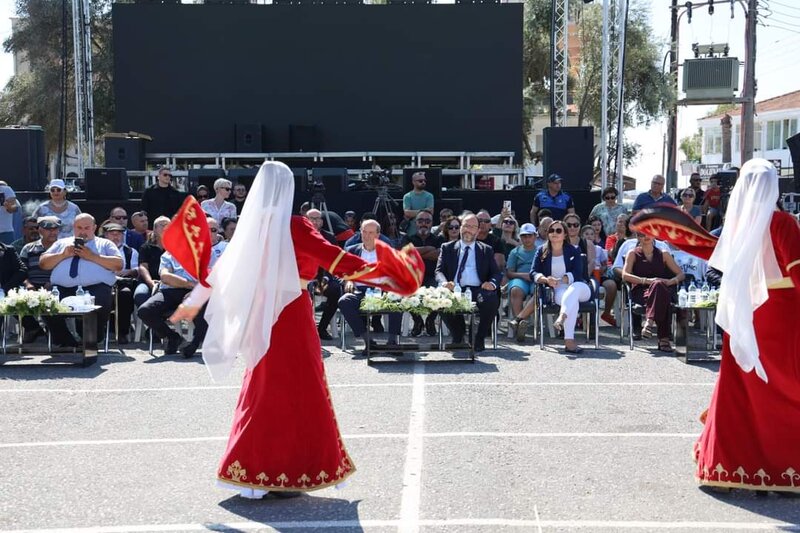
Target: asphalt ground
521	440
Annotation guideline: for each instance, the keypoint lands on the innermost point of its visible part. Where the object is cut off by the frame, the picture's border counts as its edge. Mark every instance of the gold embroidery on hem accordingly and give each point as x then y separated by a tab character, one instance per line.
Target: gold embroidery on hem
236	471
748	486
280	488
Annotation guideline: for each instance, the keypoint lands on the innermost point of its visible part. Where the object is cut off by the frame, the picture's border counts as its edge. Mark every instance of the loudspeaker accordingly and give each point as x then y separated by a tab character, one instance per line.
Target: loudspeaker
433	176
125	152
107	184
334	179
793	143
569	152
249	138
204	176
303	138
300	180
23	156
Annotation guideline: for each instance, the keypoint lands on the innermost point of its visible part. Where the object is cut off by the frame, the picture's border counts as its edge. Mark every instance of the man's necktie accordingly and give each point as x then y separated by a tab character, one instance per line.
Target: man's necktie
73	267
462	265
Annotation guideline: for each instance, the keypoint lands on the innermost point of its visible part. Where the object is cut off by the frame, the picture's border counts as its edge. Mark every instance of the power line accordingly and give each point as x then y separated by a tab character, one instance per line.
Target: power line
785	5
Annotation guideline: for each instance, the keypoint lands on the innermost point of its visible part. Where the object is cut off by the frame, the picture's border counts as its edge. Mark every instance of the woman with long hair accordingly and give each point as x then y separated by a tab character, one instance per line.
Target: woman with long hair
452	229
653	274
59	206
559	266
687	205
509	235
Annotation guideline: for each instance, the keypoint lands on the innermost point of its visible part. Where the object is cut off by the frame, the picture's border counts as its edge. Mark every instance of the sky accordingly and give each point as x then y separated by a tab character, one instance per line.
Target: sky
776	44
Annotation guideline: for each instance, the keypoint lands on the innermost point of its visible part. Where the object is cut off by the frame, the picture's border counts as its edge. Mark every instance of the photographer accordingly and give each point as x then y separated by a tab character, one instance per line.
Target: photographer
415	201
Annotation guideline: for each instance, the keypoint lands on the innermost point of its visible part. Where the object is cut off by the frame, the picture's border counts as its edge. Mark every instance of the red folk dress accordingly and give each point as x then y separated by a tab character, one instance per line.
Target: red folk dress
285	436
751	437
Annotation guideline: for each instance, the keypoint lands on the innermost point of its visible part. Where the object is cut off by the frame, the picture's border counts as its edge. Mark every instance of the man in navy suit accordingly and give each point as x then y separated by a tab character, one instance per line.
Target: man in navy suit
354	292
470	264
119	216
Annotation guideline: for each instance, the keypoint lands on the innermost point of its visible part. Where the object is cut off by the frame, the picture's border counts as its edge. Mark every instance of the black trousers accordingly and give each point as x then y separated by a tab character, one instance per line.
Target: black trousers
155	311
332	294
102	297
488	304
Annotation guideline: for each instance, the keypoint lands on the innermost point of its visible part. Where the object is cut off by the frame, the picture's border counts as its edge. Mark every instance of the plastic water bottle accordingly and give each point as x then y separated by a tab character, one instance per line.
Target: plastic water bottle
705	292
457	290
692	299
468	294
81	294
683	297
56	294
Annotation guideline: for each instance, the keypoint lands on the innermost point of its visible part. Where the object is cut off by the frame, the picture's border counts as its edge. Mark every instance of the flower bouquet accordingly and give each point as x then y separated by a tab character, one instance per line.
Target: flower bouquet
423	302
31	303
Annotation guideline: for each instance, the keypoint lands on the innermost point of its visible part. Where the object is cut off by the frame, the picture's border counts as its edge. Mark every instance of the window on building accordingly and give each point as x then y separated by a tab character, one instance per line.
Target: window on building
758	136
774	139
789	129
712	141
735	139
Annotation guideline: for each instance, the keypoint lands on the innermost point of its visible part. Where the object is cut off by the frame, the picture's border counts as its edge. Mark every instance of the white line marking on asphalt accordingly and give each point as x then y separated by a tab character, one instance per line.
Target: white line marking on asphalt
370	385
538	521
419	435
412	472
464	522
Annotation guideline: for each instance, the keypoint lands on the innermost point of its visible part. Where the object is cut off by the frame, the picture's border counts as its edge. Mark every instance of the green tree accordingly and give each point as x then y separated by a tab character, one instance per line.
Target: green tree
647	90
692	146
34	97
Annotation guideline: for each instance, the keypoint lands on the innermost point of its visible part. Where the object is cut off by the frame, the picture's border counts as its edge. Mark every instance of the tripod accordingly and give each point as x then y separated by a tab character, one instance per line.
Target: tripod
384	201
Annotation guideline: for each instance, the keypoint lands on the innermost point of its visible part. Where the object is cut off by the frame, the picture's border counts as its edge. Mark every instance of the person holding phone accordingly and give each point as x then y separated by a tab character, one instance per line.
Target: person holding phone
83	261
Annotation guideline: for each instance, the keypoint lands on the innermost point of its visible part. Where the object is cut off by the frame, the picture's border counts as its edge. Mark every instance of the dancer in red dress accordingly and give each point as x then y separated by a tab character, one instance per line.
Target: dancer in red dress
284	435
751	437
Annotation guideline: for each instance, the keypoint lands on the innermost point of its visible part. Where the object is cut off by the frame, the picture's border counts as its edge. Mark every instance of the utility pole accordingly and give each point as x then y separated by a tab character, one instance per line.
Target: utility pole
749	89
672	126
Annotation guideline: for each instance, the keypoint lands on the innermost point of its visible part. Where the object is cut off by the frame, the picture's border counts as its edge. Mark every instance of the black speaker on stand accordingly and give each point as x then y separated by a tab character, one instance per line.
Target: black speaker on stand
23	156
793	143
569	152
249	138
107	184
125	152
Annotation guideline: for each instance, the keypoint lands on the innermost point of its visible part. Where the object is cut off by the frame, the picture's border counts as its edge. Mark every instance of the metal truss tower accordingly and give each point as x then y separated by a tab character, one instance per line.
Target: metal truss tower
84	102
559	62
615	18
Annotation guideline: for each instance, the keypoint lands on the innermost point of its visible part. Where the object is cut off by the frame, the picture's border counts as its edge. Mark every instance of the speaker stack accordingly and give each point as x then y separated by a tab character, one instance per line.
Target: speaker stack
107	184
126	152
569	152
23	155
249	138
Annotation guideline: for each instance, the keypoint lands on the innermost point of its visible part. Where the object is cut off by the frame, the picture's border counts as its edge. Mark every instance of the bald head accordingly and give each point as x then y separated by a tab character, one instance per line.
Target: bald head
315	216
84	226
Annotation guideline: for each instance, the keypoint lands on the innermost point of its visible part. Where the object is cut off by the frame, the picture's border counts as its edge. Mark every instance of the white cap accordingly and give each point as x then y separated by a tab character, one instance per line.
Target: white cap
57	183
527	229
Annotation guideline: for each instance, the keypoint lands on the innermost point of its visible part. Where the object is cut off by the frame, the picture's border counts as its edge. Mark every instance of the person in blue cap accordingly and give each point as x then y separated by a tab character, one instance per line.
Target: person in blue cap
553	199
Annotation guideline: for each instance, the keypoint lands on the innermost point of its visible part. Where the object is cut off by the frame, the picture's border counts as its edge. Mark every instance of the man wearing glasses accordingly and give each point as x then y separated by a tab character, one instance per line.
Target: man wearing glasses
415	201
162	198
553	199
655	195
119	216
428	246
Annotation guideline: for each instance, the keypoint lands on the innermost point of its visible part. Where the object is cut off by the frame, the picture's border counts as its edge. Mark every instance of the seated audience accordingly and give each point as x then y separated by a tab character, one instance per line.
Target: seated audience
150	262
518	272
37	277
652	274
141	223
118	215
127	280
228	228
327	284
428	246
83	261
688	205
30	233
452	230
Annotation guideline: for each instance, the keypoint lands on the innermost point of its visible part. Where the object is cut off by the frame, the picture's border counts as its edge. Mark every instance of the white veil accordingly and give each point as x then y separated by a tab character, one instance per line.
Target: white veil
746	257
256	277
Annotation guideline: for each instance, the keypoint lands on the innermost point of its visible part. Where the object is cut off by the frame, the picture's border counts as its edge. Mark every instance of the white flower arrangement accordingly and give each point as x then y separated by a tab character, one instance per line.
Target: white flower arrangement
422	302
31	303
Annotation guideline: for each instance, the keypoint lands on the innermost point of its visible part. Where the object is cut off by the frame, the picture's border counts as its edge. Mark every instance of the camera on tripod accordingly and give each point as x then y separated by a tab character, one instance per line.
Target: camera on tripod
378	178
316	185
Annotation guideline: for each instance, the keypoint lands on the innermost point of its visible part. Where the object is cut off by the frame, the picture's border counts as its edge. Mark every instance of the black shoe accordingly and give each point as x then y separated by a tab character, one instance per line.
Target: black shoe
377	327
324	335
416	331
189	349
479	345
174	342
430	330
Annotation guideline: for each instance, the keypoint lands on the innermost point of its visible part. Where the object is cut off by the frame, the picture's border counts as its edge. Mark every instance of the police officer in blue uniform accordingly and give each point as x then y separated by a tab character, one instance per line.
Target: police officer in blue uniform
553	199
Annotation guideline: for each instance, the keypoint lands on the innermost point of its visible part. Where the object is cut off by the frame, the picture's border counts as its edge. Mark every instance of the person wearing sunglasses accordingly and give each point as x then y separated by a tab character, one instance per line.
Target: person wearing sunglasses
60	207
428	246
453	230
118	215
560	266
219	207
689	206
553	199
161	198
202	193
608	210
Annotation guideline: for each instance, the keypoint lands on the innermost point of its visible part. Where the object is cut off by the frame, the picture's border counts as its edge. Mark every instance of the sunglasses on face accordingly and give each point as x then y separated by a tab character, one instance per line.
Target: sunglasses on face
609	198
202	197
688	195
167	175
453	227
120	217
225	188
56	189
573	225
509	222
555	230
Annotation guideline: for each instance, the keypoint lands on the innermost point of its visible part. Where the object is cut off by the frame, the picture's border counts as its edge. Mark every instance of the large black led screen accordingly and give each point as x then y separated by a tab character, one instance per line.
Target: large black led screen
367	77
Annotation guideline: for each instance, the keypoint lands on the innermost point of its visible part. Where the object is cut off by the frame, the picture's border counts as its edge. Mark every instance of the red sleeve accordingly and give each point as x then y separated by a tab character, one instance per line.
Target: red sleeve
313	251
785	232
